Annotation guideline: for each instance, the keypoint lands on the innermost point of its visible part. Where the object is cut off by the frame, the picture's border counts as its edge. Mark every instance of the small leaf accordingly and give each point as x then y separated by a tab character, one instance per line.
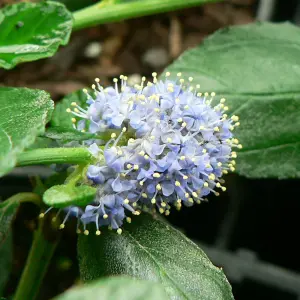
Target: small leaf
64	195
5	260
30	31
23	115
68	134
116	288
152	250
256	67
61	118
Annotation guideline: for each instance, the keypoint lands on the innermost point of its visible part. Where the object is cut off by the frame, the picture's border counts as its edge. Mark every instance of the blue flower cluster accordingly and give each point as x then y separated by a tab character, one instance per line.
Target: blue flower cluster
178	147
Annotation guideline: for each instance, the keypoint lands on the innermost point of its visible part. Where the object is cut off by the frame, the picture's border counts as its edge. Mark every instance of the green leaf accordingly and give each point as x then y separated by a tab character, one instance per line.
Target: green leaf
116	288
64	195
152	250
23	115
256	68
5	260
61	118
30	31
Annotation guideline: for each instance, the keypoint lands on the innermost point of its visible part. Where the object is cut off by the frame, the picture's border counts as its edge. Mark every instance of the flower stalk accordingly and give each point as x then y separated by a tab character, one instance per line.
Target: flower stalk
41	252
49	156
110	11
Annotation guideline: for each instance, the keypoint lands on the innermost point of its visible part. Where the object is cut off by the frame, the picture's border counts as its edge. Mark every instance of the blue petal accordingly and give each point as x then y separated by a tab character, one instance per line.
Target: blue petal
167	188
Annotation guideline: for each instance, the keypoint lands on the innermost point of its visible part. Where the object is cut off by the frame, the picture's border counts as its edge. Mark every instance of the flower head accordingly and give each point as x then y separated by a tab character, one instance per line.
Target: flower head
178	147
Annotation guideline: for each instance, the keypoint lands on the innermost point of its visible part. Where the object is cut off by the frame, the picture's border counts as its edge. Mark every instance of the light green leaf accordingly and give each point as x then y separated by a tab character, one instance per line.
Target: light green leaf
30	31
152	250
116	288
23	115
64	195
256	68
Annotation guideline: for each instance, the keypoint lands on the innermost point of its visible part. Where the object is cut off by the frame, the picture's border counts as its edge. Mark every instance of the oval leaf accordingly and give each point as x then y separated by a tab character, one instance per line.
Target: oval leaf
63	195
23	115
256	68
117	288
68	134
150	249
30	31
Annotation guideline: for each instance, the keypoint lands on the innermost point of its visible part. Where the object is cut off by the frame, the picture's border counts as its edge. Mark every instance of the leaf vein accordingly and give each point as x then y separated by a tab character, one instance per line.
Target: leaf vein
158	265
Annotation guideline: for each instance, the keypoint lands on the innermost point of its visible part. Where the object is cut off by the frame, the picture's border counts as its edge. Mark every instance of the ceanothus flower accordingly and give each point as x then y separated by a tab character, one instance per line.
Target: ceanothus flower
178	146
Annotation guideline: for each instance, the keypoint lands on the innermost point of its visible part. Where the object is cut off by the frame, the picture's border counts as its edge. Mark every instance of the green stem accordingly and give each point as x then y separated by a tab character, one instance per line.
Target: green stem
25	197
37	262
49	156
74	177
105	13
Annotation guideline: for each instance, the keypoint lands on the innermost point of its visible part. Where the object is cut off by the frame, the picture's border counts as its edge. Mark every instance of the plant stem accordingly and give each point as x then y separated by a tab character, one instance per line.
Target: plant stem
105	13
37	262
25	197
74	177
49	156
